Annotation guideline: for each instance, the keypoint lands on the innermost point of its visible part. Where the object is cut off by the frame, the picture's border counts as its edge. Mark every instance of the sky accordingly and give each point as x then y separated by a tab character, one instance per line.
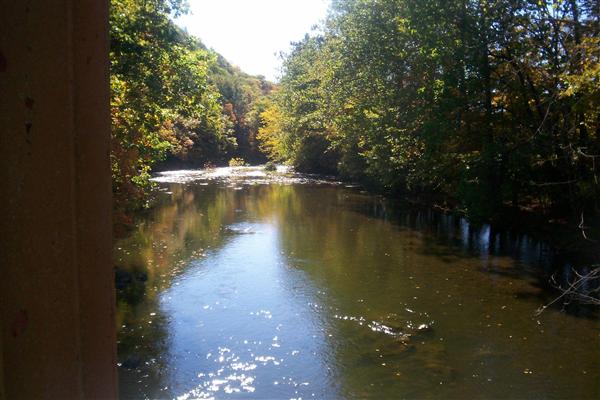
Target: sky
252	33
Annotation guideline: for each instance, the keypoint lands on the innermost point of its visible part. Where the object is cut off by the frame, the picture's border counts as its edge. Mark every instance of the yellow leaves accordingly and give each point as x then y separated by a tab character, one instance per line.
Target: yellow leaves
587	80
269	134
369	114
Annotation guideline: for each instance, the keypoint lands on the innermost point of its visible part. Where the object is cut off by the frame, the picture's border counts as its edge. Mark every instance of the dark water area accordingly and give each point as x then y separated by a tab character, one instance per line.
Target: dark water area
251	287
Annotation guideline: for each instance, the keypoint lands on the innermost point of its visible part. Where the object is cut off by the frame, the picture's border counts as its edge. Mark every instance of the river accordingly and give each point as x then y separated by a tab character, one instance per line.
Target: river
244	285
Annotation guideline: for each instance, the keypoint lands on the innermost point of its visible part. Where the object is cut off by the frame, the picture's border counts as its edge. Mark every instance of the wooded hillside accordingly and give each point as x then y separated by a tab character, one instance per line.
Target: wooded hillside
172	98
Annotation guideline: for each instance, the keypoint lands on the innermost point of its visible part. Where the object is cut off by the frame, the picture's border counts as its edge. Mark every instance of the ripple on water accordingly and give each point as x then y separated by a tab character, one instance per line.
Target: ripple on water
233	176
232	376
233	383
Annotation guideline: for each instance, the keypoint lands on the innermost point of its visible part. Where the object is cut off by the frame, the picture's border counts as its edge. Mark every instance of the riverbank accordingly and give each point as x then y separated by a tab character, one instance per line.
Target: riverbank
572	234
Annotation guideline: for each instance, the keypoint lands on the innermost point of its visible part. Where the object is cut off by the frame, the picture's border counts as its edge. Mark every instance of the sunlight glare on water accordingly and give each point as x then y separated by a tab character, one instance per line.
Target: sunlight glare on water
243	284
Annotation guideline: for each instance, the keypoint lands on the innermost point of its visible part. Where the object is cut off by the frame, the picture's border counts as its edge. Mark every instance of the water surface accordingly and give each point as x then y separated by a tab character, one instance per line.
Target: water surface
253	287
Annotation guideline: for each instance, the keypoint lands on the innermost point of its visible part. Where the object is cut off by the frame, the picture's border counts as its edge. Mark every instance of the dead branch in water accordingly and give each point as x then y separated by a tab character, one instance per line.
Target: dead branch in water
575	291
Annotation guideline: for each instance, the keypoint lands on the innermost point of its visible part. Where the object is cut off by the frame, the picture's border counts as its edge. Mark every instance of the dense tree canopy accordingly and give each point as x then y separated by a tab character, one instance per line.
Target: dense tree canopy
477	103
171	97
243	99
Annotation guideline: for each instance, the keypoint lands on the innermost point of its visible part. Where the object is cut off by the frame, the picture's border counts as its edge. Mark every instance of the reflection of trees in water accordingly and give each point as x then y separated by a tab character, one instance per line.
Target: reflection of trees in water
177	230
351	259
363	266
498	250
180	228
379	268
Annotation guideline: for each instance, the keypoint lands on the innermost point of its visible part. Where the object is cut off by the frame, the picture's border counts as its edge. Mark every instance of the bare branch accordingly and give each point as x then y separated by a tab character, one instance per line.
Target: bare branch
575	290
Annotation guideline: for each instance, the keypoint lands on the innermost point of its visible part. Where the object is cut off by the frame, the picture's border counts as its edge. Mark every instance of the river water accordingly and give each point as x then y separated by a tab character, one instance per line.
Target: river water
243	286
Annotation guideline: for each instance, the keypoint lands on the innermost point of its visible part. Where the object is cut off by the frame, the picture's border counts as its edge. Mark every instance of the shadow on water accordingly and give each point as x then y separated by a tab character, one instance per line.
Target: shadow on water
415	271
499	251
358	257
250	290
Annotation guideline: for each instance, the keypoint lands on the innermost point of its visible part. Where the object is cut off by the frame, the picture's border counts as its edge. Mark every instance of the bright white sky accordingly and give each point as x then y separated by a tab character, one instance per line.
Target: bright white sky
252	33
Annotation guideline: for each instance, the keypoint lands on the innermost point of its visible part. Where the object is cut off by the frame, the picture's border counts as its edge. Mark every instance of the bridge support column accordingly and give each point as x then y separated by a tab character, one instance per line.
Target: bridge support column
57	334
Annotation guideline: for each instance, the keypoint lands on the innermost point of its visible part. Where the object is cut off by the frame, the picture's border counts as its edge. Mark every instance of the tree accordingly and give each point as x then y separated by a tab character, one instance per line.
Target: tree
478	104
161	100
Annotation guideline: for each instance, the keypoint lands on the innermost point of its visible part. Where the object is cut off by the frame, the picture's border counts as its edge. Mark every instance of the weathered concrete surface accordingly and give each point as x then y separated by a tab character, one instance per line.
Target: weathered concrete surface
56	283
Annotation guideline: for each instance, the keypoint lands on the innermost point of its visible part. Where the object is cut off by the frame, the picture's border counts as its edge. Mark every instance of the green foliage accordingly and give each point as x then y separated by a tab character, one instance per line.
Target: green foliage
479	104
161	99
270	166
293	125
171	97
243	98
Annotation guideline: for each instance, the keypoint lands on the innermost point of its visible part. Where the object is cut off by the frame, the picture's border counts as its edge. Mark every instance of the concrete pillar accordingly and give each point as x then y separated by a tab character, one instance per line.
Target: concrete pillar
56	279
